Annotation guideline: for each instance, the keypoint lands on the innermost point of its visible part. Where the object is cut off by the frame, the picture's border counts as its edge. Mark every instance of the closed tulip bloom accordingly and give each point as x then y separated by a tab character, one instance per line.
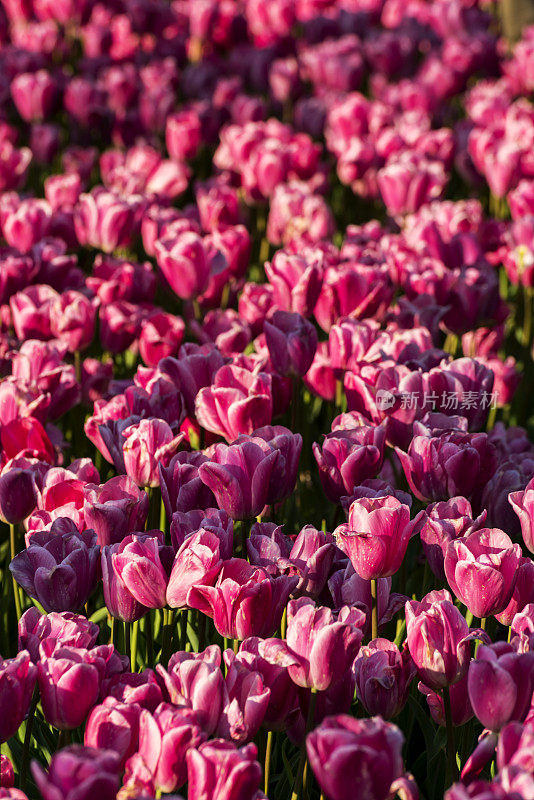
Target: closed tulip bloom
247	701
161	336
34	94
289	445
523	505
377	535
197	562
105	220
114	726
18	495
356	757
27	437
147	444
119	600
65	629
239	476
444	522
438	639
7	774
138	565
383	677
17	680
181	486
238	402
79	773
245	600
320	647
31	309
221	771
313	552
185	524
69	682
165	738
195	680
410	180
523	593
72	319
58	570
443	466
500	684
115	508
296	282
283	699
292	341
346	458
481	569
184	262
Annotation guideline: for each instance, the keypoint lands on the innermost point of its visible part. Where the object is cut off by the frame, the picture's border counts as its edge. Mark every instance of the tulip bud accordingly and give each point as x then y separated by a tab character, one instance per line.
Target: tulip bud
17	679
81	772
291	341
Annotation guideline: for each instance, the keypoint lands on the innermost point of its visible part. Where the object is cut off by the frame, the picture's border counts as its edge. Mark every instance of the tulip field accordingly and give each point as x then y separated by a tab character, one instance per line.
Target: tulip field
266	400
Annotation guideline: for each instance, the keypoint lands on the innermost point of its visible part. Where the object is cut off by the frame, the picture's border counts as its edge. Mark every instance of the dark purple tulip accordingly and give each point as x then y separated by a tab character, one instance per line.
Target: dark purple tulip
18	495
313	553
348	589
181	487
481	569
59	571
289	445
500	683
523	593
356	757
185	524
195	680
142	689
461	709
383	677
240	475
220	771
444	522
65	629
283	702
17	679
292	341
346	458
79	773
245	600
69	682
247	701
115	508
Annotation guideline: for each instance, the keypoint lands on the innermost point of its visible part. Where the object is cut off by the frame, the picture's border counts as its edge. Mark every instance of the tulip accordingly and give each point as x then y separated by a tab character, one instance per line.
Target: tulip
221	771
197	562
291	341
195	680
181	486
347	588
161	336
69	682
18	495
17	680
461	710
408	181
296	282
438	639
348	457
289	445
313	552
165	738
114	726
79	773
245	601
58	570
383	677
238	402
184	263
443	523
500	684
356	757
247	701
72	319
104	220
119	600
481	569
320	648
377	535
523	593
7	774
137	563
523	505
136	688
240	475
27	437
283	702
147	444
114	509
65	629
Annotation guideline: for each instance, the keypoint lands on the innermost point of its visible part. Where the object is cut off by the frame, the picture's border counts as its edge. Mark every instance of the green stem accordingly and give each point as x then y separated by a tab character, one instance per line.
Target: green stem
149	640
167	634
527	321
483	627
27	740
201	631
299	779
268	752
452	768
78	366
133	645
13	548
374	609
127	645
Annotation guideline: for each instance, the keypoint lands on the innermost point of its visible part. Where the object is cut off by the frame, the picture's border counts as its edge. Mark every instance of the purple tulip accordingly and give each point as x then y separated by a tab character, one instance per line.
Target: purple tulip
245	601
283	702
18	495
119	600
444	522
104	220
383	677
79	773
142	689
348	589
289	445
114	726
221	771
238	402
181	486
184	263
346	458
523	593
438	639
195	680
377	535
69	682
291	341
356	757
481	569
114	509
313	553
461	709
138	565
197	562
247	701
17	679
64	629
240	476
320	646
147	444
523	505
296	282
7	776
59	571
500	684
